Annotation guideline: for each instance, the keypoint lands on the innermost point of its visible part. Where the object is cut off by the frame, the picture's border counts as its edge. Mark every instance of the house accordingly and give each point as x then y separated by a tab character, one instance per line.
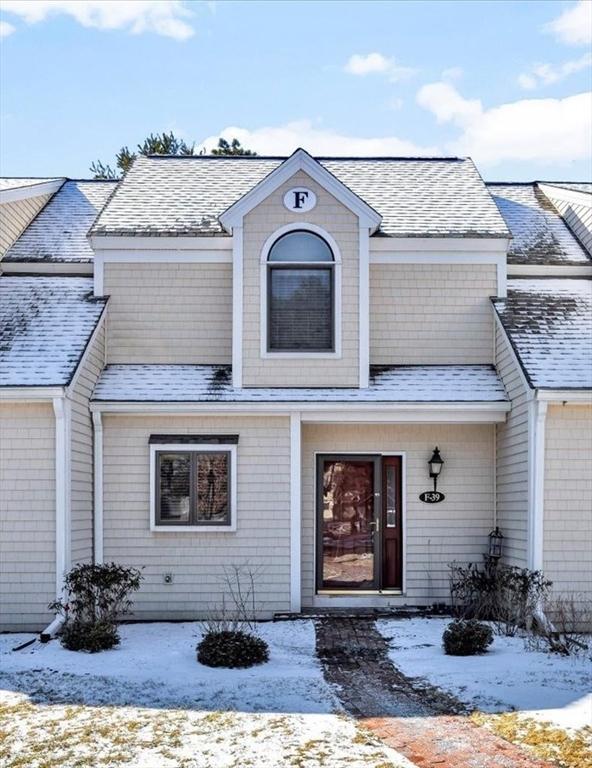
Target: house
230	360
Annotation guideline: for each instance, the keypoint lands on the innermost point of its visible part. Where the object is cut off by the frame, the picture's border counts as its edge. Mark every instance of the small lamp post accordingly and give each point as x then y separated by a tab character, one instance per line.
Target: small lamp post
495	544
435	464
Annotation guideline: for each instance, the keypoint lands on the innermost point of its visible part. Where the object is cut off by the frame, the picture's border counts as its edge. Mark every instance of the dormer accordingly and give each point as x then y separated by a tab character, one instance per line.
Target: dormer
301	275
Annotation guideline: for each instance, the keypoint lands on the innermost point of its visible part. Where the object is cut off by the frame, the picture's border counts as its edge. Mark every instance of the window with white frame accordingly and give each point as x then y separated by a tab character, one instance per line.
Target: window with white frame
300	294
193	485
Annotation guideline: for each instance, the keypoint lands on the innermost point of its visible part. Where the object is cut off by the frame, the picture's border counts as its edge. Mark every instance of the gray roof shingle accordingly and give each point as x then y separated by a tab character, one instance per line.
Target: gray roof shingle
549	324
45	325
59	232
417	197
540	236
212	383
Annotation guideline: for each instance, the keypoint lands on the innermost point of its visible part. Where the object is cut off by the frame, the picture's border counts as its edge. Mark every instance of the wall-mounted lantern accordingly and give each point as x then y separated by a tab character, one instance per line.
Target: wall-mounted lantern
496	543
435	464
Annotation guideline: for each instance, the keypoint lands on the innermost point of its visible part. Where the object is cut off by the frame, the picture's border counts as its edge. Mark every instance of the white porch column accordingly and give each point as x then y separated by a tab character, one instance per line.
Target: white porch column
537	412
98	487
62	412
295	512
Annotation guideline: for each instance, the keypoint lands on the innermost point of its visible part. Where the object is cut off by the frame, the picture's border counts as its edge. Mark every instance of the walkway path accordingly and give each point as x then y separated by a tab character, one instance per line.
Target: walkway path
427	725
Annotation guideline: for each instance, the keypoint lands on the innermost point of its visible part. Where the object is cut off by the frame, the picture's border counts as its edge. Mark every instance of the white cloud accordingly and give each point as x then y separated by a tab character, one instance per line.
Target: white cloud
376	63
164	17
452	73
6	29
541	130
573	26
547	74
284	139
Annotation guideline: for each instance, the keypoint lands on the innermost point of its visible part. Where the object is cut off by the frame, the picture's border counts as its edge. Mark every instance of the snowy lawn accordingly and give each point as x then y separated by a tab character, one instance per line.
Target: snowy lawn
150	703
507	678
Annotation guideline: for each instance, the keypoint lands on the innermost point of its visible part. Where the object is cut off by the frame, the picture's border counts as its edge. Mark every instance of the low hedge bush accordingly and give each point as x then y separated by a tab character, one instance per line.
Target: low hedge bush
466	638
232	648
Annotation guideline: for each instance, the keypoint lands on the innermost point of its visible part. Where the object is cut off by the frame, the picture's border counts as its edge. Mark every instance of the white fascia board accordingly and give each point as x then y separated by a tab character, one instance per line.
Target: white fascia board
30	394
549	270
30	190
127	243
47	267
566	195
300	161
437	245
196	255
482	412
572	396
87	352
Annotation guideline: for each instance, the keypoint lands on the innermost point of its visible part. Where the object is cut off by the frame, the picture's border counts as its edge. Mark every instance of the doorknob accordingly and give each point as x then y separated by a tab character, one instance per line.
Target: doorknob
375	525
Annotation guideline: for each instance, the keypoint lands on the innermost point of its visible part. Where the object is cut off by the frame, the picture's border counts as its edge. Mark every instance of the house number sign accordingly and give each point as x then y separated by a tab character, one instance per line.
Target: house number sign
300	200
431	497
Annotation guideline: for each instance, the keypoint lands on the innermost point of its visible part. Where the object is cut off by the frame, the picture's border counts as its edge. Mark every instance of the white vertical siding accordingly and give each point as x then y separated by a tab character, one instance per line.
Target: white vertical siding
436	534
512	459
27	515
196	560
567	553
82	453
577	216
16	216
422	314
169	312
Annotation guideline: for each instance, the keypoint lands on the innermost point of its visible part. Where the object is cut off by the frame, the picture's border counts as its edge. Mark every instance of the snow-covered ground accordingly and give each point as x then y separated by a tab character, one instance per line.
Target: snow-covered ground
150	703
507	678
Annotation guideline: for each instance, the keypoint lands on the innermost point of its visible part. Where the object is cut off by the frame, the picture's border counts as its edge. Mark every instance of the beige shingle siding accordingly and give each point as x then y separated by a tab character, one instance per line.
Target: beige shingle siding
455	529
197	559
512	459
27	515
568	500
14	218
169	313
342	225
82	452
431	313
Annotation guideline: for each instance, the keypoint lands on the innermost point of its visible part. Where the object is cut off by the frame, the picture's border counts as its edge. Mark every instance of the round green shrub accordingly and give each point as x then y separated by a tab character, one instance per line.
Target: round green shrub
88	636
235	649
466	638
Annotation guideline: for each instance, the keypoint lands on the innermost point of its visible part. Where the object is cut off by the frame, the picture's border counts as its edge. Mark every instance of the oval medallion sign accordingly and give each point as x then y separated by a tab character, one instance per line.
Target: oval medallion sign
300	200
431	497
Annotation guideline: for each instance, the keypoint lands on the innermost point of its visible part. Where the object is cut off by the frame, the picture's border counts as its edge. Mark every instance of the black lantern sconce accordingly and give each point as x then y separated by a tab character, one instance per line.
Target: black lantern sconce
496	539
435	464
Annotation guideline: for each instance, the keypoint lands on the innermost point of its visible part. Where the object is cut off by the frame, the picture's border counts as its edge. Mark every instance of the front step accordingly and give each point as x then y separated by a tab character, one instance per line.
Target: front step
402	612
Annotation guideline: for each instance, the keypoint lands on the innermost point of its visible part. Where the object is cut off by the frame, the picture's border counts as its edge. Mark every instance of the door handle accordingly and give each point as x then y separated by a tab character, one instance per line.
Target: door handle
375	525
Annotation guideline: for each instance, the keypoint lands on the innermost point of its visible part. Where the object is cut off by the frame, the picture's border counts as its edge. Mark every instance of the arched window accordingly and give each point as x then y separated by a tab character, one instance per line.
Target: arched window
300	294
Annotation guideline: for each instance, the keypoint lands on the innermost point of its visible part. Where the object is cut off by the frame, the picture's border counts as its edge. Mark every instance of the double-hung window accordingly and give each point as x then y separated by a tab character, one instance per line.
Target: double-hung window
193	486
300	294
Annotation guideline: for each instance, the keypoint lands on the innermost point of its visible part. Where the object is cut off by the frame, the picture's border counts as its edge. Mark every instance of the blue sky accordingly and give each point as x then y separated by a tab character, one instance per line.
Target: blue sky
505	82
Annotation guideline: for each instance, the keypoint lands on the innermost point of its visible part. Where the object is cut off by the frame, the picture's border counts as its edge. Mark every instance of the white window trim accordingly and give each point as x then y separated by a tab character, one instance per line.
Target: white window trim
337	263
195	448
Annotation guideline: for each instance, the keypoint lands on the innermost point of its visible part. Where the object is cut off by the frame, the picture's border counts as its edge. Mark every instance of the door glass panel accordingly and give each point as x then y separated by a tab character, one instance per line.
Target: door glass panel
347	525
391	496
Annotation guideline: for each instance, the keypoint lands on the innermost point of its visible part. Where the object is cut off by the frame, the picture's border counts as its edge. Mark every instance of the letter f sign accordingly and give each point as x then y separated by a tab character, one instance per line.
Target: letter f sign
300	197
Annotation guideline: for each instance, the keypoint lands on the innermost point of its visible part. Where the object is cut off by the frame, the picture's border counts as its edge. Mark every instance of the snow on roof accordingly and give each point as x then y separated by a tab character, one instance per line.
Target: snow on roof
59	232
213	383
417	197
19	182
45	325
549	324
540	236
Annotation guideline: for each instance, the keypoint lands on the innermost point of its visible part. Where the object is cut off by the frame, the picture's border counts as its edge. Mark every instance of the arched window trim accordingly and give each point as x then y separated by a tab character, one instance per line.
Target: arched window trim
264	272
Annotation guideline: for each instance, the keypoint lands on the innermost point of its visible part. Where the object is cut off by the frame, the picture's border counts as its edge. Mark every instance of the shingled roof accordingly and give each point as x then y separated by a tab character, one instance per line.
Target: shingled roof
213	383
539	234
549	325
59	231
45	325
416	197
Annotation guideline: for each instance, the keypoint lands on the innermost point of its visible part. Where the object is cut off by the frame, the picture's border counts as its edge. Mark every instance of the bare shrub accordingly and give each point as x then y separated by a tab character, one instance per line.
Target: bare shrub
238	608
564	631
506	595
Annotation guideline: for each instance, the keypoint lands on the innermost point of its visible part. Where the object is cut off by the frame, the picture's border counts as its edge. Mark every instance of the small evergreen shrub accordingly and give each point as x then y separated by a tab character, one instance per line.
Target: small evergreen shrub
232	648
97	596
466	638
